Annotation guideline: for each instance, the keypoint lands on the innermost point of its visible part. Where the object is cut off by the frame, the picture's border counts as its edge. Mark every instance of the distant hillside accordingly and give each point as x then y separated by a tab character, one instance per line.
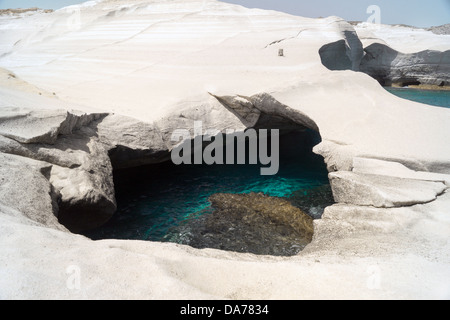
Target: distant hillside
20	11
444	29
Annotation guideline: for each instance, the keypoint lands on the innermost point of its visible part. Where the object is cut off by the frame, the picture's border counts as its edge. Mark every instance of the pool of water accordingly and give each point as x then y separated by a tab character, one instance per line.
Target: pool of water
431	97
158	202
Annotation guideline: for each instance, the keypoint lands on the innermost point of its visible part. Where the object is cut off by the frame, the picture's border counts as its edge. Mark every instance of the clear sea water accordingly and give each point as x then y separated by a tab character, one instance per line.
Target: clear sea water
431	97
154	200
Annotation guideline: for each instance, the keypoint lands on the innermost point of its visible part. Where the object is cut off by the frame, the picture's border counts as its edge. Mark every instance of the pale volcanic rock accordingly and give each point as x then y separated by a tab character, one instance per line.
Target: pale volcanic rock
382	191
392	67
137	70
405	39
21	176
396	55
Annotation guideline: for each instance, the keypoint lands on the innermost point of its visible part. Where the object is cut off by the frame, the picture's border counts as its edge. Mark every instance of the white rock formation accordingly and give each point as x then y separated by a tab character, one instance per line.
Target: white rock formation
155	66
382	191
404	39
395	55
395	169
392	67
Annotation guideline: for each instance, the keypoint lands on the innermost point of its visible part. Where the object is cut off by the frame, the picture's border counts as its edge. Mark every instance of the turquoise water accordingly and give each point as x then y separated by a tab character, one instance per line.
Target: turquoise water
431	97
154	200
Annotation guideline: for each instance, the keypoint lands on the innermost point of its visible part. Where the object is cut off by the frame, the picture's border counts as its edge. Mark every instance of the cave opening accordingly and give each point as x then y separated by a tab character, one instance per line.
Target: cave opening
226	207
407	83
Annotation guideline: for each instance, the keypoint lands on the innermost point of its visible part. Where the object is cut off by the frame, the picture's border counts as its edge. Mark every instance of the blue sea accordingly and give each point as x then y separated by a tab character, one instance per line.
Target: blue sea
431	97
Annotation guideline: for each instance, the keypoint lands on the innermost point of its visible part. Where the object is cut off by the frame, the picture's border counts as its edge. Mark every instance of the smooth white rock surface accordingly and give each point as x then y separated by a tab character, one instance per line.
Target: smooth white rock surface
402	38
153	59
395	169
382	191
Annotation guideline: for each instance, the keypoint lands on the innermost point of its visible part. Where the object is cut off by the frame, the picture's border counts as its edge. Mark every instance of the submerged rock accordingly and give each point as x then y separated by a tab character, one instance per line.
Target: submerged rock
277	210
313	201
249	223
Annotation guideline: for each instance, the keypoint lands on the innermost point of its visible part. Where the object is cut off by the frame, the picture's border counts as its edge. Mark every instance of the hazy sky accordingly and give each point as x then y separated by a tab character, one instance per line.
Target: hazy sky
420	13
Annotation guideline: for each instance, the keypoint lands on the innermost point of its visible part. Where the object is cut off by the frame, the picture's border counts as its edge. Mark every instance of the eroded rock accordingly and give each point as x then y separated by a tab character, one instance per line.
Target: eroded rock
41	126
345	54
25	188
264	111
382	191
131	142
391	67
87	193
78	172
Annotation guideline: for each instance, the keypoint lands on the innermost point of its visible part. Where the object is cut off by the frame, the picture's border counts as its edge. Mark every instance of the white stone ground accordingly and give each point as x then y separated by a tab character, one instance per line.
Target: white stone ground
150	59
